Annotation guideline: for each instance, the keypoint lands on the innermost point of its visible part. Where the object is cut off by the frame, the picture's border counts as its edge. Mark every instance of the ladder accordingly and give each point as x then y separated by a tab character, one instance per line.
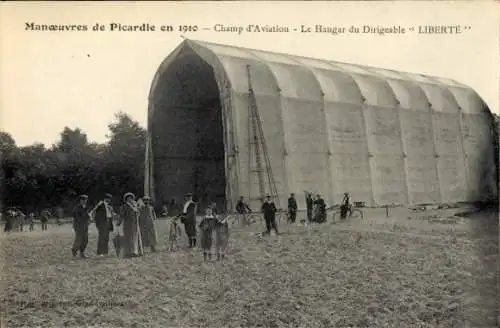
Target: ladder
256	143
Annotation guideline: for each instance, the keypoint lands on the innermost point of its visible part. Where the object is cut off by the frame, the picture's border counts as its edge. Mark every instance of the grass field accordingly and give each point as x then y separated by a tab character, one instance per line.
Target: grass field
382	272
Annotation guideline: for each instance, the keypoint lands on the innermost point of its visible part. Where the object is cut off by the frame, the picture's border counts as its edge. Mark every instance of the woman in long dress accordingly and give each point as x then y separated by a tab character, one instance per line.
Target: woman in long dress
147	216
129	215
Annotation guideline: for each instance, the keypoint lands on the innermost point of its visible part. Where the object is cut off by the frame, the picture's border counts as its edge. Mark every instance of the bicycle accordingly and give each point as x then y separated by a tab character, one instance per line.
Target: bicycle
244	219
352	211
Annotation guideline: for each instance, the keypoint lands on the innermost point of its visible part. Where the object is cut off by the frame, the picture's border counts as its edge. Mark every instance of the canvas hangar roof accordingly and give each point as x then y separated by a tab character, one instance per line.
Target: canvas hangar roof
384	136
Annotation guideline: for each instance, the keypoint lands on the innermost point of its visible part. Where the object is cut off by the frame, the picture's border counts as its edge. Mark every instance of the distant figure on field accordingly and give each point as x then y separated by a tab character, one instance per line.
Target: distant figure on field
20	219
31	221
174	209
344	208
242	207
81	220
129	217
309	206
207	226
269	210
147	218
320	209
9	217
292	208
103	214
188	218
44	219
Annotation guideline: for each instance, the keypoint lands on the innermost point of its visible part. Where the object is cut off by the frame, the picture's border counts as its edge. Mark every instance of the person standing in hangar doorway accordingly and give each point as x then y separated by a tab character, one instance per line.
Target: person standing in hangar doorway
243	209
188	218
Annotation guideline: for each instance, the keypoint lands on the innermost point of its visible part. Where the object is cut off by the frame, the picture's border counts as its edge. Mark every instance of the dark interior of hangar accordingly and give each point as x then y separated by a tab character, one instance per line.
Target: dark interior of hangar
187	133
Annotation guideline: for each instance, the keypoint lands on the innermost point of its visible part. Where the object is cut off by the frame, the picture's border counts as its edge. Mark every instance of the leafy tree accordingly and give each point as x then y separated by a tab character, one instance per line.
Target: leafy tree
35	177
124	156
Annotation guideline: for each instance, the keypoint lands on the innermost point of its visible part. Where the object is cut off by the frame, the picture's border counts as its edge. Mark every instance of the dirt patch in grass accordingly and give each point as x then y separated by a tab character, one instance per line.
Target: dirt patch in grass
352	274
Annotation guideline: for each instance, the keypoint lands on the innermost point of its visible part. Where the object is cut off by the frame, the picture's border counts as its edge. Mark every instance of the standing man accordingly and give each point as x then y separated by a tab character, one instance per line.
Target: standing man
81	227
147	218
188	217
103	217
269	210
292	208
309	206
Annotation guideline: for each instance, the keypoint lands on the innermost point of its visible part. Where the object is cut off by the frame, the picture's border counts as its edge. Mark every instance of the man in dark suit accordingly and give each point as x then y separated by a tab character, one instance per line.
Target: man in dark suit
292	208
81	227
269	210
188	218
103	217
310	205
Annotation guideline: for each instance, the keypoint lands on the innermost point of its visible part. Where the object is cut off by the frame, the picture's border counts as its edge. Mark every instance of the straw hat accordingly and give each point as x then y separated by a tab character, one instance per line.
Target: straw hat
127	195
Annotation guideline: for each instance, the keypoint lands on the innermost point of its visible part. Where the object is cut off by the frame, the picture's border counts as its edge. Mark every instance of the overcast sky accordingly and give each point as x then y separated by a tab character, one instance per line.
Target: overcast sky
50	80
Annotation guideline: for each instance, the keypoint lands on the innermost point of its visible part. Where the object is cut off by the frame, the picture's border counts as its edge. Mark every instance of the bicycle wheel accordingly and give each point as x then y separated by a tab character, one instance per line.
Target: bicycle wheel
232	219
336	216
252	218
357	214
281	217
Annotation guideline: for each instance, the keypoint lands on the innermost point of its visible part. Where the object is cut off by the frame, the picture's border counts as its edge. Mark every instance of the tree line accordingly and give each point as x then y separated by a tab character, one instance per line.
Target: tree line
37	177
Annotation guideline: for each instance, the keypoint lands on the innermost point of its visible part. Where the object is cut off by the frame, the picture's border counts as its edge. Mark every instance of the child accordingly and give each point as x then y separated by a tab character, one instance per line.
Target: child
207	226
174	235
221	237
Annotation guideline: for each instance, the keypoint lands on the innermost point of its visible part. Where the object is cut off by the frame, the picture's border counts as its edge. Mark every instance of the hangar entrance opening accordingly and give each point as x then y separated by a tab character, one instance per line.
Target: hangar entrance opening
187	133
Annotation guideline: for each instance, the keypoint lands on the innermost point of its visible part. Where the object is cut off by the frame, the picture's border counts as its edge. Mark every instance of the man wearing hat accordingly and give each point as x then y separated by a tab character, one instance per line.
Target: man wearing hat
269	210
81	227
147	216
103	217
188	217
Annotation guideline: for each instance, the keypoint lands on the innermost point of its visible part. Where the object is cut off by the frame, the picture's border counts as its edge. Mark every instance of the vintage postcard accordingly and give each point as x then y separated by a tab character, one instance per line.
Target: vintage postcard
249	164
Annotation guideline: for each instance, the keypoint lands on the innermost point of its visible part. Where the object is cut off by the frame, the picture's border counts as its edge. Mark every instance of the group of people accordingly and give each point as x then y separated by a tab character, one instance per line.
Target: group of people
135	219
316	209
16	220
